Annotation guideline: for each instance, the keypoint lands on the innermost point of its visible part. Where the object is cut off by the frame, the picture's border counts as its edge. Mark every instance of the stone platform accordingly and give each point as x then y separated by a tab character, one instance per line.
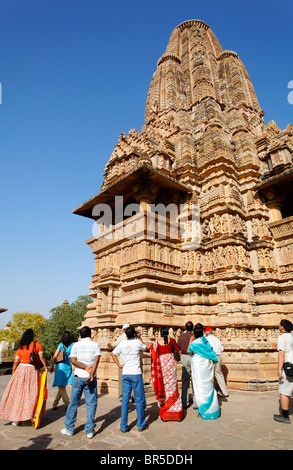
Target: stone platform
246	423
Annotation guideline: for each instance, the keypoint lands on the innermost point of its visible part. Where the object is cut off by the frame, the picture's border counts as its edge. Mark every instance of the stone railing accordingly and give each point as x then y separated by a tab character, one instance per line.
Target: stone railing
282	228
144	224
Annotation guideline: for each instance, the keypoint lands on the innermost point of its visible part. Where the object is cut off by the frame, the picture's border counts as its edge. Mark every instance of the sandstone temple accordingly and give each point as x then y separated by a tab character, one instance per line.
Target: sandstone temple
195	216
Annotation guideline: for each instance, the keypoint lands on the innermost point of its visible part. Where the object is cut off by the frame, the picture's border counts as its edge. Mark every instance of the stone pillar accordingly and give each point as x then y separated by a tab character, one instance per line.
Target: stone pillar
275	210
274	204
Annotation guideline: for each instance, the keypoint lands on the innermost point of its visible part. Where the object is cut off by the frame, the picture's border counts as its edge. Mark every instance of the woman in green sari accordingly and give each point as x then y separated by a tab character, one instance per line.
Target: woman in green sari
203	376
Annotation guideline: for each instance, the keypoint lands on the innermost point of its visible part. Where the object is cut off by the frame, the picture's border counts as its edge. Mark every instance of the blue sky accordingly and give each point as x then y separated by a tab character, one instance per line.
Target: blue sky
74	75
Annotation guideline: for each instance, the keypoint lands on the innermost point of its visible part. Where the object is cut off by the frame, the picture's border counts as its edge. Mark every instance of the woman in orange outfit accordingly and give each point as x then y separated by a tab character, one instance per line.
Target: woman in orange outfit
20	398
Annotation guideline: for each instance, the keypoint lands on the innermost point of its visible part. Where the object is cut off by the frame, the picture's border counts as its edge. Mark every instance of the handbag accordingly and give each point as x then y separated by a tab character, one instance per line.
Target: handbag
34	358
61	356
288	368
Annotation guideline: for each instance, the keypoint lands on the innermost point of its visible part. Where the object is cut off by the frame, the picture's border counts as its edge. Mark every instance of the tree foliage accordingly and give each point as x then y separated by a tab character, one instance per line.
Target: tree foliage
65	317
22	321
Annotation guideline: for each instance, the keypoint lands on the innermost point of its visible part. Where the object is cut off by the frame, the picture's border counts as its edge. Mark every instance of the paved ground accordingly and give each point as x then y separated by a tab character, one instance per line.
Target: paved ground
246	423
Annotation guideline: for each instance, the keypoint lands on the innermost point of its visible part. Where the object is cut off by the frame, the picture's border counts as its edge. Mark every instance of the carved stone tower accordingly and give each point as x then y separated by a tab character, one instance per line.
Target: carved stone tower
204	149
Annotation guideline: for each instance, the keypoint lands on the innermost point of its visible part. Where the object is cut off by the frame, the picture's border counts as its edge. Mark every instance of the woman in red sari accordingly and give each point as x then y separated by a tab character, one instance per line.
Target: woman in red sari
164	377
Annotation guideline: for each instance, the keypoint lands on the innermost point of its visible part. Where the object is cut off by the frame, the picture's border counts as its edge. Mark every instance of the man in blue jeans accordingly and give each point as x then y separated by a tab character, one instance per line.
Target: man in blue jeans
85	356
131	378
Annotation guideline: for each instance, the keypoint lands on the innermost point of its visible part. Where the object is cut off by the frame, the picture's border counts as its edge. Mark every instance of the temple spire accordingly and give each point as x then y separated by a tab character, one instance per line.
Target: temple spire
193	68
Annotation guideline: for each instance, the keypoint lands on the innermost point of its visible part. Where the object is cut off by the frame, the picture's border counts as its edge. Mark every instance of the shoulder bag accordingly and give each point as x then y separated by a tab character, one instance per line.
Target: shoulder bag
34	358
288	368
61	356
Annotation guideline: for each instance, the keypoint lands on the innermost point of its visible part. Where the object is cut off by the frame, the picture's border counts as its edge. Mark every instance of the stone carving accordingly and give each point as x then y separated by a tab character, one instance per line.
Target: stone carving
224	224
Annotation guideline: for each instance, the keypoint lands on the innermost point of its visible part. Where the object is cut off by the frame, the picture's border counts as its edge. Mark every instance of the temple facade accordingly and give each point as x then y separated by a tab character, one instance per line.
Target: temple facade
195	216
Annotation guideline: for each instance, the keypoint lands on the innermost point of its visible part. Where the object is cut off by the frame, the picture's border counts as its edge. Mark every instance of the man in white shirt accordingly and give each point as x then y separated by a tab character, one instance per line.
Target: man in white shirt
85	356
285	354
218	348
131	378
113	346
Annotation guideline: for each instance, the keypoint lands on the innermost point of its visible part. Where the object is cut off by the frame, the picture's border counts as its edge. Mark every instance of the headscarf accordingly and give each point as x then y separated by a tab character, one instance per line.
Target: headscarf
204	349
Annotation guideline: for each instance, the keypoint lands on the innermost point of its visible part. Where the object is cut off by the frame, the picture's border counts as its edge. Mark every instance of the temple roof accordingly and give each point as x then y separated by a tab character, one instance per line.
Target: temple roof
143	176
202	118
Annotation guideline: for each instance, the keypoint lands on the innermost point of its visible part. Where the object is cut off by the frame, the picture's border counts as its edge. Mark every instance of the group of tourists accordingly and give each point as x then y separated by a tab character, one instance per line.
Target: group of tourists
201	364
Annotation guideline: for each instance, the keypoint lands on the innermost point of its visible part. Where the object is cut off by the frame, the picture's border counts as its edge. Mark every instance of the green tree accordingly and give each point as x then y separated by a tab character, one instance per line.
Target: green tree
22	321
65	317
